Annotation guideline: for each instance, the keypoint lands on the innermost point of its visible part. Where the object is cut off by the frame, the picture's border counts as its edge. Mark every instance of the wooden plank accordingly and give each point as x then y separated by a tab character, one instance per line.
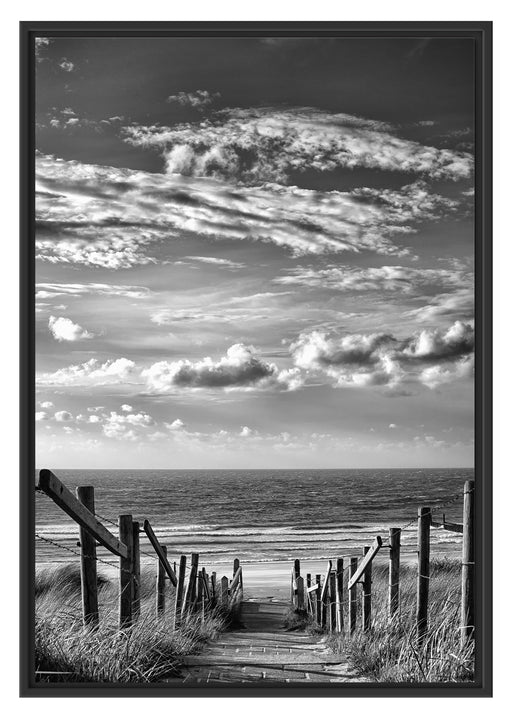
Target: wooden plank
60	494
236	580
367	593
325	587
158	549
190	594
352	596
339	594
126	572
136	569
468	565
88	571
313	588
160	582
332	601
424	515
179	591
300	592
394	570
318	599
224	589
368	558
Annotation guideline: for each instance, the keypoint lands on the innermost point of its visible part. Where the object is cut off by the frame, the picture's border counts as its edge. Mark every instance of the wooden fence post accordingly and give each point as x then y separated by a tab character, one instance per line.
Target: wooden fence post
214	587
300	592
88	572
190	594
367	594
332	601
468	565
424	516
224	589
200	595
308	598
352	597
236	567
339	595
126	571
160	584
394	569
179	591
296	568
318	599
136	570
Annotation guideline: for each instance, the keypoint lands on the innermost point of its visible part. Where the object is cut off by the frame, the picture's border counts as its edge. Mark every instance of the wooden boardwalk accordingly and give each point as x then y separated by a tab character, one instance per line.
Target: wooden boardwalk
264	652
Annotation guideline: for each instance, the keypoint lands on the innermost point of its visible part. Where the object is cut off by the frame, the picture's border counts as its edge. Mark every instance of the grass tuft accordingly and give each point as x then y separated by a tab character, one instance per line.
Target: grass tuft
390	651
149	651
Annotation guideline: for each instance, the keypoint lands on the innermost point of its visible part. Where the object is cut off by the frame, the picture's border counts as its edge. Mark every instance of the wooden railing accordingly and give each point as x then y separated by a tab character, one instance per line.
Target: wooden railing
322	598
195	593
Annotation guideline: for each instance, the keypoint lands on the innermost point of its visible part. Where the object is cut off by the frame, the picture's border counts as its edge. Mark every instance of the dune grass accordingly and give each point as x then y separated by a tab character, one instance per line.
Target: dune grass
390	652
150	650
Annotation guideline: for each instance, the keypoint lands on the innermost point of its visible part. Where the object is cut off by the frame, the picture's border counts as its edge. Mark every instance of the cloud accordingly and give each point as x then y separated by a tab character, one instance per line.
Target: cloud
91	373
246	432
392	426
240	368
430	357
120	426
267	144
388	278
63	416
41	416
198	99
65	330
66	65
46	290
459	303
126	408
46	405
175	426
229	264
106	217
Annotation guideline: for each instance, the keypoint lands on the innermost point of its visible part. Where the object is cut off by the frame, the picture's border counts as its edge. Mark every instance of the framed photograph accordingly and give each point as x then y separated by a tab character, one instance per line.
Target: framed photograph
256	341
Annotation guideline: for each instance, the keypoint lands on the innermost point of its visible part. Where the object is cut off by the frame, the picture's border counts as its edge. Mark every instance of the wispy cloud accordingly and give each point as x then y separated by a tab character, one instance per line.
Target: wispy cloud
266	144
47	290
106	217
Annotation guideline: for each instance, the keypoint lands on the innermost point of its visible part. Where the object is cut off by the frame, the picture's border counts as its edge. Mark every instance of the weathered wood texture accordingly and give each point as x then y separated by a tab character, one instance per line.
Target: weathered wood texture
352	596
180	588
88	571
424	515
367	593
339	594
368	559
394	570
136	570
53	487
126	572
157	547
160	582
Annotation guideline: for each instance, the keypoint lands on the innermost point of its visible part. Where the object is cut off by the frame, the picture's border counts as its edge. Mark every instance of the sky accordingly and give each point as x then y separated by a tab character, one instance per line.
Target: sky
254	253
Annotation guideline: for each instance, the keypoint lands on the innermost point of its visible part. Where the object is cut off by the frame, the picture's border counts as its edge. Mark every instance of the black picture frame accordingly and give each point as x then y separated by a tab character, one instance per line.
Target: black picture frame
481	32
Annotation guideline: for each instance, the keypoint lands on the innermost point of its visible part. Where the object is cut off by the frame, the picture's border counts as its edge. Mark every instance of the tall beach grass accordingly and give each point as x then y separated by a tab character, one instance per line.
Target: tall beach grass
149	651
390	651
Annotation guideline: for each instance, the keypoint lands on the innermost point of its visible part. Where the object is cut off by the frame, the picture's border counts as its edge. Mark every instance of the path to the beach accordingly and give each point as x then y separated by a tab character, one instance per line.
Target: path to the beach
263	651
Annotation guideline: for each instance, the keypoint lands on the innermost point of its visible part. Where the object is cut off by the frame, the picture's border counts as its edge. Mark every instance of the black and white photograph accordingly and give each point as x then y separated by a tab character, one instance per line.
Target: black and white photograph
255	398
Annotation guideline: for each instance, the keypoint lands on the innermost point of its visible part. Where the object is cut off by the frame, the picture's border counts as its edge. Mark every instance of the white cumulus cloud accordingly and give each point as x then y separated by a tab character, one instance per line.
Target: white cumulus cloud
65	330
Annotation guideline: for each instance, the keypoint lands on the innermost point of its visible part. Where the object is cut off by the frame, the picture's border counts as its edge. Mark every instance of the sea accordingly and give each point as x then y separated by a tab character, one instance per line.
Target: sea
259	515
